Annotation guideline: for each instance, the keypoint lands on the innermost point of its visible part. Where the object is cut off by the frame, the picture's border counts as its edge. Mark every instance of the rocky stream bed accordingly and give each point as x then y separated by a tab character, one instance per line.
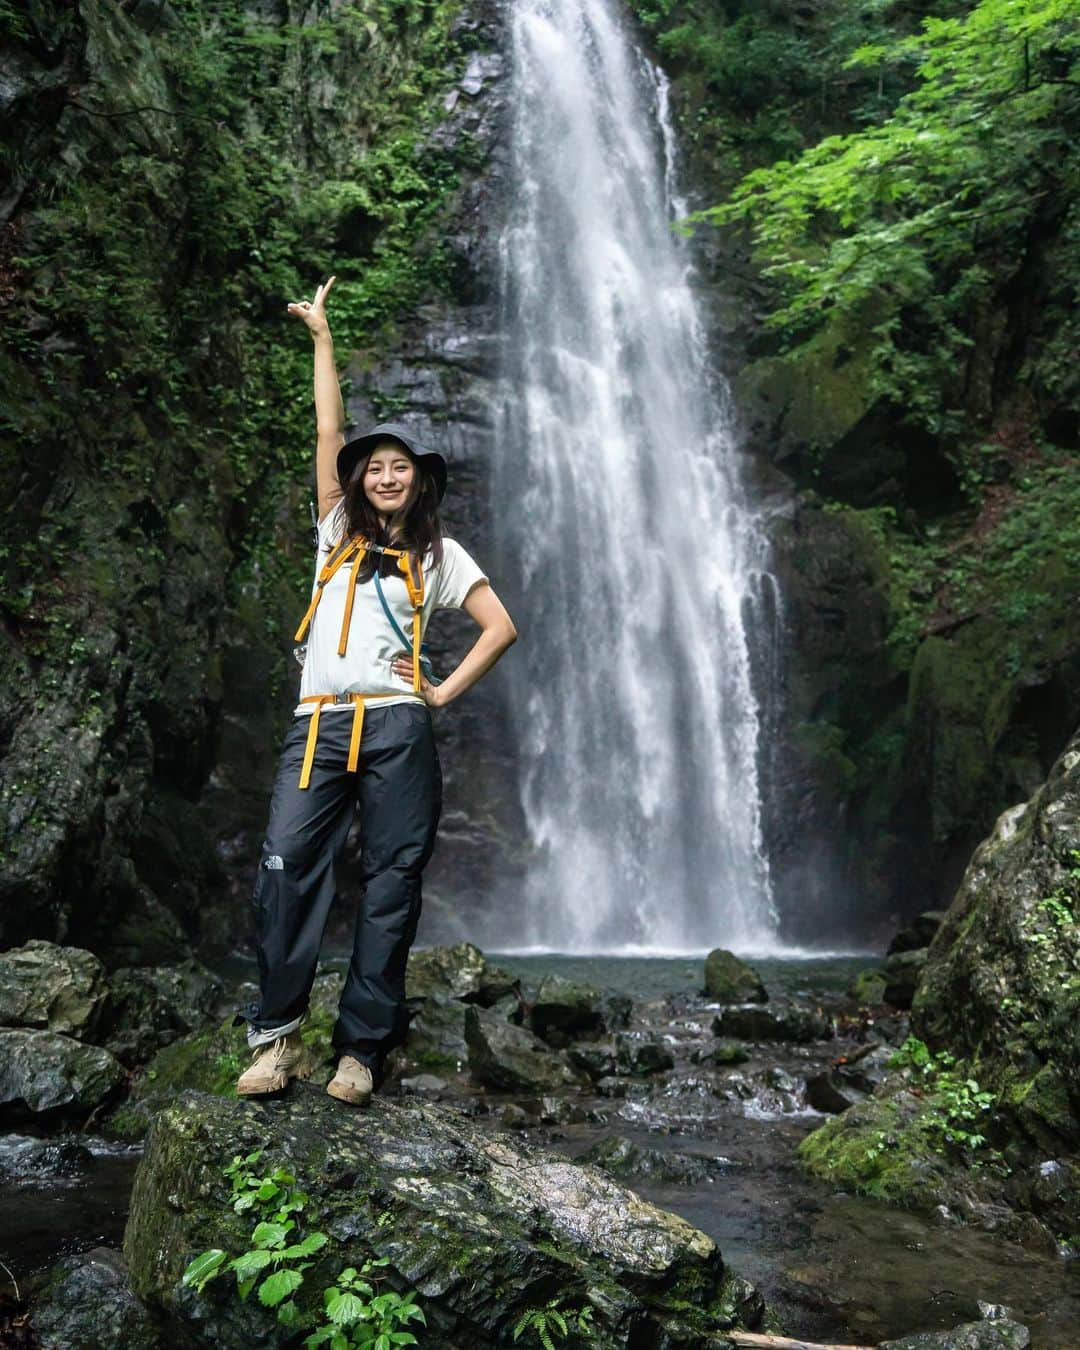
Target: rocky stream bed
596	1127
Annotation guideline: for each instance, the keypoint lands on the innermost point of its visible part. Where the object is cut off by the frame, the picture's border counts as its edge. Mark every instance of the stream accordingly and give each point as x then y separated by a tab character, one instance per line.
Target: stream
832	1266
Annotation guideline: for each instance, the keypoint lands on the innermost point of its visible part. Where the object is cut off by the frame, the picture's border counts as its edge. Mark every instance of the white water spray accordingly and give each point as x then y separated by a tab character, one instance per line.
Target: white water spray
627	545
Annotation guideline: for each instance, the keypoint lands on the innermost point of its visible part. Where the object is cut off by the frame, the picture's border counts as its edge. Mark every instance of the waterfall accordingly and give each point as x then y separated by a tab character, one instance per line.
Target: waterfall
628	550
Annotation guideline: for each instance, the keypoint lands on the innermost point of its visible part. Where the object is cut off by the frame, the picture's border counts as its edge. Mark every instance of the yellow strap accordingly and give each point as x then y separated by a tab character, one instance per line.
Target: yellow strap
337	559
357	732
332	564
312	737
416	650
358	701
350	593
416	598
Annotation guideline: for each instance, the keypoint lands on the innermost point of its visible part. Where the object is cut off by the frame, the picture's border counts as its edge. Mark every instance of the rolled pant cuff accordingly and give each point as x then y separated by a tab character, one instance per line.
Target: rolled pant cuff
256	1037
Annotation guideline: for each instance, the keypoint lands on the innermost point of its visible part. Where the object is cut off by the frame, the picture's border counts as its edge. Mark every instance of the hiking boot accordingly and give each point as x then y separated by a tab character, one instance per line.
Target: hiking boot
274	1064
352	1082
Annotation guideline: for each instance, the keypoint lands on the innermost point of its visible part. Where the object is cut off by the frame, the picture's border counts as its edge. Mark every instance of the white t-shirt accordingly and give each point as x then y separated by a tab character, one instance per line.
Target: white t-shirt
372	646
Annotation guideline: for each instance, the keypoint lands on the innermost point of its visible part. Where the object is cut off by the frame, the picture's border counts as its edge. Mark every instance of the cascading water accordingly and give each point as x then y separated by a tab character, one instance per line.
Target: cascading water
627	546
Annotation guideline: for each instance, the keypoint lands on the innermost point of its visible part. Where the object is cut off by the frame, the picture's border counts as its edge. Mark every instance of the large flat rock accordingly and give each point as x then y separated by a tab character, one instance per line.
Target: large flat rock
481	1225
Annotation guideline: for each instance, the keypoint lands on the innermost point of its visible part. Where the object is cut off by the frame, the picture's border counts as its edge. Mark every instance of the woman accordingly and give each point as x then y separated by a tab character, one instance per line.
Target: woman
362	734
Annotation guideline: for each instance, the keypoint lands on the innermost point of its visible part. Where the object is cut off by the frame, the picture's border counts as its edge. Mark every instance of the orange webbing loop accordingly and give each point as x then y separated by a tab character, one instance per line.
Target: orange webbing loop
312	736
416	599
358	701
331	566
355	734
350	593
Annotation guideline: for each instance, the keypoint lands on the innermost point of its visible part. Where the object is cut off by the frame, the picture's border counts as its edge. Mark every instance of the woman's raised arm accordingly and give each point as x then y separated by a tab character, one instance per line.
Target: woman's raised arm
329	409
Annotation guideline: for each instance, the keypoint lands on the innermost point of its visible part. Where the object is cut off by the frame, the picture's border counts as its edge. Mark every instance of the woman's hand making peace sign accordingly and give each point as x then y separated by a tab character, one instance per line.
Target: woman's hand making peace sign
313	312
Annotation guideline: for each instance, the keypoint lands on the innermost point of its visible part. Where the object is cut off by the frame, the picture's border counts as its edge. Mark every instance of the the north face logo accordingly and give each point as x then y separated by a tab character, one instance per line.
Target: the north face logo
274	864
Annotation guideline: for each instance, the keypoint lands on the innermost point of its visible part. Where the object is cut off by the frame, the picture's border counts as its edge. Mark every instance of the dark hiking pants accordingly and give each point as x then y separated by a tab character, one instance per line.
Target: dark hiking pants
398	788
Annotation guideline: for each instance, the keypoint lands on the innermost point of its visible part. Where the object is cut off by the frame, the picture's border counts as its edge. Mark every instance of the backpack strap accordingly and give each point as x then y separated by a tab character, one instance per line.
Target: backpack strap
357	549
337	558
416	598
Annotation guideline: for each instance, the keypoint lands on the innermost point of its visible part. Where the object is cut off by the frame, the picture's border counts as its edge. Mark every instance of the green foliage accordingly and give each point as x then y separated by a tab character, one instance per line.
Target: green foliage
163	245
1053	923
354	1314
765	81
551	1322
924	209
954	1099
357	1316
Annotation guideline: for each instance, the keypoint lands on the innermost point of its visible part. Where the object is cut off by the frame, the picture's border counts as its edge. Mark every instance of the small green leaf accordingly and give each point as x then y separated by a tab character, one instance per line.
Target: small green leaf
248	1265
311	1244
279	1286
270	1234
204	1268
347	1309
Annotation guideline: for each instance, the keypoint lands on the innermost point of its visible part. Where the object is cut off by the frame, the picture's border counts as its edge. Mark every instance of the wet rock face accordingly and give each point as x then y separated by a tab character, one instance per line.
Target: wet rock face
51	988
780	1021
143	691
627	1161
481	1227
461	971
1002	1334
150	1007
42	1071
89	1304
903	970
731	980
512	1058
999	982
997	994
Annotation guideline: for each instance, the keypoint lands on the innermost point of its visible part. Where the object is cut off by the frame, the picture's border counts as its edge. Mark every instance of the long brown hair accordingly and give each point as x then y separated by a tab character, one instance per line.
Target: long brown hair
421	529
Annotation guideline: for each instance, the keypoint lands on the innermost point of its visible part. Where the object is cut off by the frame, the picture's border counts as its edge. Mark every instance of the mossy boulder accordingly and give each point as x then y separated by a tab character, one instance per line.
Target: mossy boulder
512	1059
563	1010
729	979
641	1053
458	971
721	1052
993	1333
997	1009
211	1060
868	987
436	1038
151	1006
886	1148
42	1071
903	970
51	988
1000	985
481	1226
784	1020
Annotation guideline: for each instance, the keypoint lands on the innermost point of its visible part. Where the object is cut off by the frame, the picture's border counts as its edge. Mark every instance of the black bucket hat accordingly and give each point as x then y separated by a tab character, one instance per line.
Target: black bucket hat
352	452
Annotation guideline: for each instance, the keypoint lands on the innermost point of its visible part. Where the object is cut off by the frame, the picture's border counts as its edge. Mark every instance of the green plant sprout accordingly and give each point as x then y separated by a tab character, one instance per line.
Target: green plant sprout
356	1316
550	1321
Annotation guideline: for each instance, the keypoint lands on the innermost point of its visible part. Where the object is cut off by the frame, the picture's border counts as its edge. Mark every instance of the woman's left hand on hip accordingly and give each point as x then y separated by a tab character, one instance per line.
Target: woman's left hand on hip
403	668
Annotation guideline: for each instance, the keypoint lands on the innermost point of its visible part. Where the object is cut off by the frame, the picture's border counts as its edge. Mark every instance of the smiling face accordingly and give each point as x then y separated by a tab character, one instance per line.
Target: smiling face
390	480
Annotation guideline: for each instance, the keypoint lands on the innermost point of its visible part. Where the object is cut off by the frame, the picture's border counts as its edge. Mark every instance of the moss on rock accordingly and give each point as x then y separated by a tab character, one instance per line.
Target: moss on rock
482	1226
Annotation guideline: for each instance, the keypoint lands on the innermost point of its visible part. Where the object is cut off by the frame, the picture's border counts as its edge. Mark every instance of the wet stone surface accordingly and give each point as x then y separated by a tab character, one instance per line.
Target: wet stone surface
702	1125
